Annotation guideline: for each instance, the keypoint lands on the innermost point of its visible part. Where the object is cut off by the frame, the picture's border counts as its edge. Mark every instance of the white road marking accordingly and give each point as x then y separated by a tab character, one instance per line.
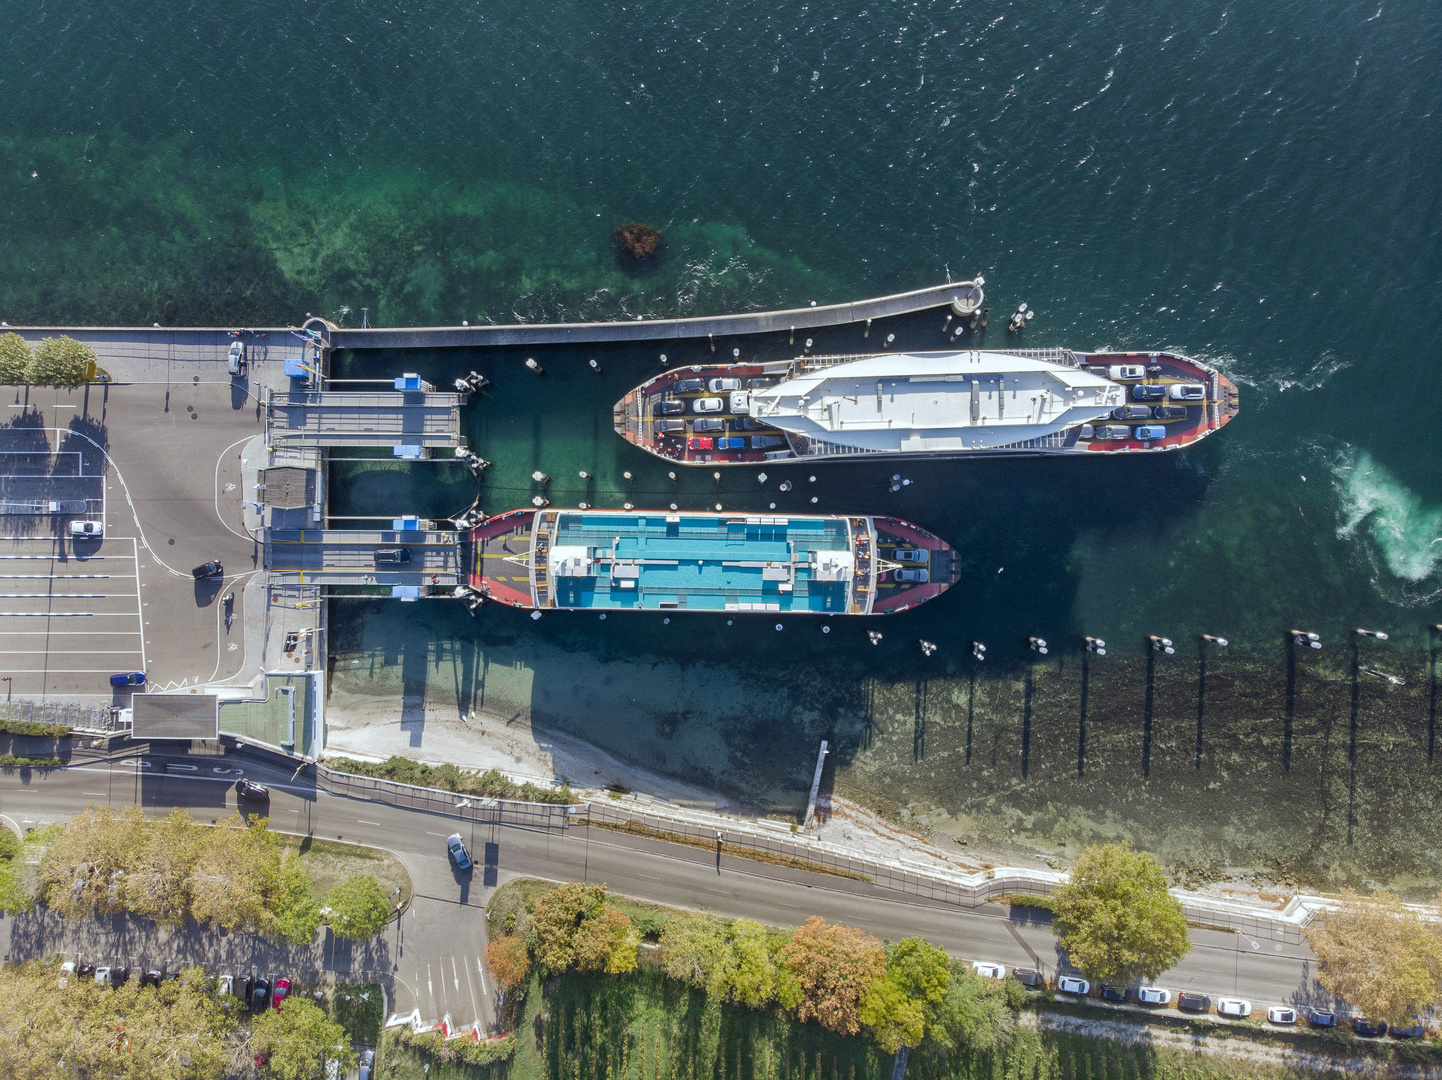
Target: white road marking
482	969
429	987
454	976
92	793
377	824
475	1009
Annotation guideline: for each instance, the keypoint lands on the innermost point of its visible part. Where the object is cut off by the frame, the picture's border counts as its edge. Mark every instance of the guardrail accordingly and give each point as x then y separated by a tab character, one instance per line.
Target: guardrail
462	807
84	717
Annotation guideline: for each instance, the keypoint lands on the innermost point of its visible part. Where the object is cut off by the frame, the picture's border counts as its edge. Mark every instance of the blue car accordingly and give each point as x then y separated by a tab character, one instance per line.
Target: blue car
1321	1018
736	443
1149	393
128	678
1151	431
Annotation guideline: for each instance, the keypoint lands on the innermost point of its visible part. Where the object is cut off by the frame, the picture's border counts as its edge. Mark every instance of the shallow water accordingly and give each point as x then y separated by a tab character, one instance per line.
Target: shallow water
1256	187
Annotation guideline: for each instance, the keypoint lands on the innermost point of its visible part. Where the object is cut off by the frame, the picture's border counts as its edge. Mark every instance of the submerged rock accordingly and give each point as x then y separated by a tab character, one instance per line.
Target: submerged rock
637	242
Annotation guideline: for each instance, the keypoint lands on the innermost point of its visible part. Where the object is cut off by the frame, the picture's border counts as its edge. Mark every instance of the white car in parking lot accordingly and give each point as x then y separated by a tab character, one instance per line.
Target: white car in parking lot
988	971
1154	995
1070	984
1280	1014
87	530
1238	1007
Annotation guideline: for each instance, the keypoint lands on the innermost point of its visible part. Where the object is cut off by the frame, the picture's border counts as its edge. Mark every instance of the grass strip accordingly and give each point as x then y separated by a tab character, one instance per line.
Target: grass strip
635	828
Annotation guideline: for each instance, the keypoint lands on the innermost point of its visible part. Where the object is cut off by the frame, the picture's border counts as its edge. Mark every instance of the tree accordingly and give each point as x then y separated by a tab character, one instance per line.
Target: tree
831	967
1116	919
901	1006
749	975
973	1015
509	961
1380	955
358	907
157	883
573	928
15	358
85	865
61	361
691	948
299	1042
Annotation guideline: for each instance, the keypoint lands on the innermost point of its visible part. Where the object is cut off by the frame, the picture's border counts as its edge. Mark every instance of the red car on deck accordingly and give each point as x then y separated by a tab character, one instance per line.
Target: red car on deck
698	442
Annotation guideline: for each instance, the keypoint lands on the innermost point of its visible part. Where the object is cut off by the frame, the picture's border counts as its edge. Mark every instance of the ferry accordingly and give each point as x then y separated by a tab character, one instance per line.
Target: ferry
951	404
658	560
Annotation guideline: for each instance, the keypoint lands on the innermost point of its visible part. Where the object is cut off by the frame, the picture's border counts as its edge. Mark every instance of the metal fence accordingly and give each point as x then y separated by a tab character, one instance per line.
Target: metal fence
462	807
87	717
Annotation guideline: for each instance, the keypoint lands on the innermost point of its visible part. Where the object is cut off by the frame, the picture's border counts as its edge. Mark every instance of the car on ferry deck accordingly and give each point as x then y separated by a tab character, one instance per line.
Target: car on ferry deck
707	404
688	386
1149	393
725	385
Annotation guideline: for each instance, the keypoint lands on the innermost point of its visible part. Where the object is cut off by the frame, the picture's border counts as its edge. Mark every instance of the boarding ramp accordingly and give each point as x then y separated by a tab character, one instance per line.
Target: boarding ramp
349	557
419	418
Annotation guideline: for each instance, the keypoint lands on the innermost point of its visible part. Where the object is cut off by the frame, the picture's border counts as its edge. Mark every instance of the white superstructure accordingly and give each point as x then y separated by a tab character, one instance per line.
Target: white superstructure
942	402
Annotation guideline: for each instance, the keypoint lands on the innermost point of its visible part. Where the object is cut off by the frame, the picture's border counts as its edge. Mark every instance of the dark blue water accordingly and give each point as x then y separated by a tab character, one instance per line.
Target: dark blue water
1260	187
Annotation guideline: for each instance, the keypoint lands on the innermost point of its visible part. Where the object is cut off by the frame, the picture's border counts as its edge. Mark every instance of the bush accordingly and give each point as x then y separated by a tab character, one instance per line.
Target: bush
15	358
34	727
9	844
489	784
1027	900
61	361
30	762
464	1049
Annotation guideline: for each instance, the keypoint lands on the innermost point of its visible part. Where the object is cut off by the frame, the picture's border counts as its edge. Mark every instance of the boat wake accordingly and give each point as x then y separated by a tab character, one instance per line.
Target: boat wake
1403	532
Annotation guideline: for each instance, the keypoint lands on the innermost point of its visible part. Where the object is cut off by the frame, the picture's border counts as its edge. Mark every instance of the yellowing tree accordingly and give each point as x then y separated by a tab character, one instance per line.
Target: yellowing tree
15	358
61	361
86	864
1380	955
573	928
831	967
157	883
1116	919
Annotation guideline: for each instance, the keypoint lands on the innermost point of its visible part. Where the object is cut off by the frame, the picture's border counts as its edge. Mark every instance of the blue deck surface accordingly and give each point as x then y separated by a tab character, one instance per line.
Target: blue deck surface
685	562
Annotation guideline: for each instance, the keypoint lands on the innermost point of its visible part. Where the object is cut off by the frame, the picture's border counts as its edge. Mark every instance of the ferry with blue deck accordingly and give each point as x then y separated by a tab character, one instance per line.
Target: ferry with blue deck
658	560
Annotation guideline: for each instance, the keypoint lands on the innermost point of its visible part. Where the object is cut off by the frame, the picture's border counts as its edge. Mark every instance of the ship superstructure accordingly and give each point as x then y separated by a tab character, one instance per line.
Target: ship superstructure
607	560
934	404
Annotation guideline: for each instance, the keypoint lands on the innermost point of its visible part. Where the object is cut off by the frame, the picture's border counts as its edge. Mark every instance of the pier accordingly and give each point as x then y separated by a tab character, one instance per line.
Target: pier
348	557
331	418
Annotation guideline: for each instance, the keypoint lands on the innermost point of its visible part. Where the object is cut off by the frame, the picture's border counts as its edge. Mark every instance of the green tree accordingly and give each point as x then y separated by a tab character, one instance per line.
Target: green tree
749	976
14	897
901	1006
1379	954
291	908
573	928
606	941
157	882
692	947
1115	917
9	844
85	866
299	1042
973	1015
61	361
832	967
15	358
358	908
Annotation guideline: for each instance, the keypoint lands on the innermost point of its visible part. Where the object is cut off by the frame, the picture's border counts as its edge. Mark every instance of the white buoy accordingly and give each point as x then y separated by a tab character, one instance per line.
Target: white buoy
735	352
666	621
672	475
826	629
628	475
584	506
808	343
813	498
663	358
718	506
773	506
673	506
627	506
535	615
811	479
761	478
537	500
778	626
539	477
603	615
585	475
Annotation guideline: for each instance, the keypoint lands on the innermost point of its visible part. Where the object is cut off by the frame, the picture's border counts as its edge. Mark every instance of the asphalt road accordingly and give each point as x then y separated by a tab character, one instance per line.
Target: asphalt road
432	959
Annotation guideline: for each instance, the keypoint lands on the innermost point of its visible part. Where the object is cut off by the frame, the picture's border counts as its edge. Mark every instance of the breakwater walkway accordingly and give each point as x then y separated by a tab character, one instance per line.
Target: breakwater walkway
140	345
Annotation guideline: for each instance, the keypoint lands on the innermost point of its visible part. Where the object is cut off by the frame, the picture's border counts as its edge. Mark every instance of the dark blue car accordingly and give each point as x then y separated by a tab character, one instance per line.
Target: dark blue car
128	678
1149	393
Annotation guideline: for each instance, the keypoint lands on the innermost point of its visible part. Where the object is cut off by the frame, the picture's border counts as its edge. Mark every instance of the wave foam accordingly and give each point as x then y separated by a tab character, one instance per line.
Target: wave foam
1407	534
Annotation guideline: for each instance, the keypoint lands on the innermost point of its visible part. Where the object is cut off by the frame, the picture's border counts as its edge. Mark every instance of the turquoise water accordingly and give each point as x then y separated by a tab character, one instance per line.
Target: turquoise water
1259	187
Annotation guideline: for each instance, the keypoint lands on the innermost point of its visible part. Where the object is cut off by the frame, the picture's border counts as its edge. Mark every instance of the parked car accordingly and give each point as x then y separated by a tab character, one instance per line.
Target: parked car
1321	1018
671	427
765	442
1132	412
235	359
249	789
152	977
1367	1028
1151	431
1070	984
1416	1031
225	984
457	847
119	976
913	575
1148	393
259	995
700	442
1169	412
128	678
367	1063
1129	372
1190	1002
740	402
1032	980
723	385
988	970
760	383
208	570
282	989
912	555
398	556
1154	995
1280	1014
1114	432
1117	993
707	404
85	971
1193	391
87	530
688	386
1237	1007
102	976
710	423
745	423
735	442
667	407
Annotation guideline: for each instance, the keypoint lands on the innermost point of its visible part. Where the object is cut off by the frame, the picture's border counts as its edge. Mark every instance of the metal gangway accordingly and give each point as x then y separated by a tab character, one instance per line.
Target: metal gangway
318	418
328	557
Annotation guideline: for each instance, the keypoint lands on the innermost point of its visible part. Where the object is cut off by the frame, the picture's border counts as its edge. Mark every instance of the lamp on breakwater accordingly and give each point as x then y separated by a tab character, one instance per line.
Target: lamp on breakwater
1161	644
1306	637
1095	645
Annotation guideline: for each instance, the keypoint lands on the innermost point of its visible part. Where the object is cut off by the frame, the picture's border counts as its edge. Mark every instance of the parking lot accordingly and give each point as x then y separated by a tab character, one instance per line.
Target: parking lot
68	616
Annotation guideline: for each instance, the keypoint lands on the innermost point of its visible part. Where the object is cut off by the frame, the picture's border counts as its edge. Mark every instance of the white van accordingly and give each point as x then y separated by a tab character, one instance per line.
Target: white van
1127	372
